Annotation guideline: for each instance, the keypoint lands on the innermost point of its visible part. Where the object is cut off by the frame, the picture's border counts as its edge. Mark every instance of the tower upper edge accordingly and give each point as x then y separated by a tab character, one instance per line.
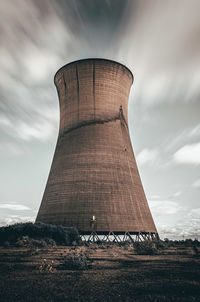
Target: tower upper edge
92	59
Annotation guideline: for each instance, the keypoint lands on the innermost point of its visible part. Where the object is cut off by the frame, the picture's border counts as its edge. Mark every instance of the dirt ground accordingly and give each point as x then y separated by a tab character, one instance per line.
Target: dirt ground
113	273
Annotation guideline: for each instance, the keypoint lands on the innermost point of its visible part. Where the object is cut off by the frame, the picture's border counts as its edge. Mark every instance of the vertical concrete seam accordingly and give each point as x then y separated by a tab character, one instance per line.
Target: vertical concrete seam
64	83
94	103
78	95
63	77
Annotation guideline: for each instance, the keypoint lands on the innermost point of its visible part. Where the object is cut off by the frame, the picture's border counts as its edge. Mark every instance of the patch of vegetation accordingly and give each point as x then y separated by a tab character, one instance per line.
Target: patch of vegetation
38	234
154	247
186	242
46	266
35	243
167	243
146	247
74	261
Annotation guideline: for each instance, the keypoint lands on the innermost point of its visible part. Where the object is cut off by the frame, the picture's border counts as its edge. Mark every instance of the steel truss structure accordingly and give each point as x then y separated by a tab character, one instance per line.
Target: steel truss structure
119	237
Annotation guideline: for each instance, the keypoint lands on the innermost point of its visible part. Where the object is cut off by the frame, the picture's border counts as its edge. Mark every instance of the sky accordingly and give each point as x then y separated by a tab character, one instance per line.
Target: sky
159	41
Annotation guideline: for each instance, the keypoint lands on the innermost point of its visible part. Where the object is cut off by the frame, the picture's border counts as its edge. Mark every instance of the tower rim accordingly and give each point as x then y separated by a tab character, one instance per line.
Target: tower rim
93	59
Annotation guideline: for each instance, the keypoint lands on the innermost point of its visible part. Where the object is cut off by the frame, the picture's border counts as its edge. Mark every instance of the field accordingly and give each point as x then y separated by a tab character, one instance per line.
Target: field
109	273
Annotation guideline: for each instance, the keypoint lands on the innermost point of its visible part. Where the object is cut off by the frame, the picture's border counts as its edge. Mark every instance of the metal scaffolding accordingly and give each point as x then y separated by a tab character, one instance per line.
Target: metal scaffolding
115	237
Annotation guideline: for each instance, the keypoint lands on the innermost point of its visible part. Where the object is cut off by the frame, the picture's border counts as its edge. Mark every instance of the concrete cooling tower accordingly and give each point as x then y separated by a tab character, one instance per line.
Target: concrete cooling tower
94	184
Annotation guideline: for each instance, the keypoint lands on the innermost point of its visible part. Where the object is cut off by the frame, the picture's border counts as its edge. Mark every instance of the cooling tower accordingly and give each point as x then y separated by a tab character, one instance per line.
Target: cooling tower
94	183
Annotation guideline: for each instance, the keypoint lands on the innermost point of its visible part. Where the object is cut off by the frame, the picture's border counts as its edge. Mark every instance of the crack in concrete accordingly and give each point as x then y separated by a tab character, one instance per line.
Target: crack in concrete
89	123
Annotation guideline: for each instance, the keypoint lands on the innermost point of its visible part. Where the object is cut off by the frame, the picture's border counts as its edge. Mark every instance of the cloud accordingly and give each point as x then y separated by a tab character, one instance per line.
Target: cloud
4	121
14	207
10	149
147	156
178	193
39	38
188	154
180	231
155	88
159	198
174	142
39	64
196	184
153	197
169	73
173	219
41	129
194	213
164	207
12	219
189	134
186	226
195	132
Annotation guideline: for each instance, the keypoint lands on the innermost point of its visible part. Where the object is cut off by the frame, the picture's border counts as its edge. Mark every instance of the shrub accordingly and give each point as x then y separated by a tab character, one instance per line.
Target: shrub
46	267
145	247
161	245
47	232
75	261
35	243
184	243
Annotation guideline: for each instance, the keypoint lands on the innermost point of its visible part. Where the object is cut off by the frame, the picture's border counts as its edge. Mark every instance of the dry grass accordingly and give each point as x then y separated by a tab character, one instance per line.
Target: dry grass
114	273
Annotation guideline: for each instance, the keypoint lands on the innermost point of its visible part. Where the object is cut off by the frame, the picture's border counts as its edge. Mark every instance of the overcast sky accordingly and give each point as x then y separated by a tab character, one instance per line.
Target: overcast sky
159	41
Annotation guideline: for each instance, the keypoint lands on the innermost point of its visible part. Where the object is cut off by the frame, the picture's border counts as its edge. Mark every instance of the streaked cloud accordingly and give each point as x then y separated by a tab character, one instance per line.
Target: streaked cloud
164	207
154	198
195	132
10	149
188	154
14	207
4	121
40	131
196	184
147	156
178	193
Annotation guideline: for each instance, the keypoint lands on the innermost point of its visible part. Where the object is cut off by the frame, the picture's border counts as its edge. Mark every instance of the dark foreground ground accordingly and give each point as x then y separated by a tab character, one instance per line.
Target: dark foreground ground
113	273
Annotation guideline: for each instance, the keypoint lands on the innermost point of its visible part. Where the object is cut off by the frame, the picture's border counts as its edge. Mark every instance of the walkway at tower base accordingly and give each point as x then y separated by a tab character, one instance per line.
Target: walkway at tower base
113	237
